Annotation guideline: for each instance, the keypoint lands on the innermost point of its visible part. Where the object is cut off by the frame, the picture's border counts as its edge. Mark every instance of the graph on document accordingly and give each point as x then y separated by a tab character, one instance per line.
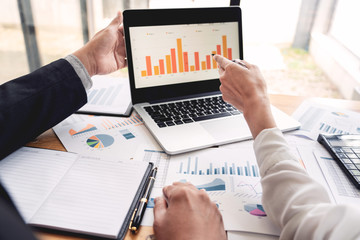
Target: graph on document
108	123
108	95
92	124
216	185
218	170
88	128
100	141
191	166
316	118
104	96
161	161
246	187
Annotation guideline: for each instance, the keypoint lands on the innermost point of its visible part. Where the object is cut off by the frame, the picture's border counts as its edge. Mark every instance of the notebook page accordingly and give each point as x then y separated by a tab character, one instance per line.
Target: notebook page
94	197
30	174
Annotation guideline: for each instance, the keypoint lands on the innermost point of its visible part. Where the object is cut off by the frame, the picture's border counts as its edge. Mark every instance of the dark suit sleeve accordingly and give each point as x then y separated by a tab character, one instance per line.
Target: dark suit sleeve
32	104
29	105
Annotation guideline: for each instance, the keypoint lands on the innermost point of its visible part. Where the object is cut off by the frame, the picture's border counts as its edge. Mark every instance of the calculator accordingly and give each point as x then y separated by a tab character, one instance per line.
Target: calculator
345	149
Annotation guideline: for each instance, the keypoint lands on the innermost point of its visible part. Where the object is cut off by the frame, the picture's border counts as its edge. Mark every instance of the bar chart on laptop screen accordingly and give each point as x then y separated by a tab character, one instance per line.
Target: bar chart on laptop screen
173	54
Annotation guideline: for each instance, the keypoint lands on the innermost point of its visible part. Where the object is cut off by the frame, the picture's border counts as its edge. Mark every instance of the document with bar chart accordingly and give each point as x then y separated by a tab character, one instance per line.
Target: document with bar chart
180	53
231	178
316	118
108	96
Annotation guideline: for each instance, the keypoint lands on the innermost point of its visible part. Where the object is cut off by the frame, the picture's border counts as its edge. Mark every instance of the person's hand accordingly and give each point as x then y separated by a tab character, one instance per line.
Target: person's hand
105	52
188	213
243	86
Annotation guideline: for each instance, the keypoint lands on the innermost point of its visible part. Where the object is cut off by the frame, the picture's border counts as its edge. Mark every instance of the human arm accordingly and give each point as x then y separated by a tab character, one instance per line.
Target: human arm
295	201
105	53
33	103
291	198
188	213
245	89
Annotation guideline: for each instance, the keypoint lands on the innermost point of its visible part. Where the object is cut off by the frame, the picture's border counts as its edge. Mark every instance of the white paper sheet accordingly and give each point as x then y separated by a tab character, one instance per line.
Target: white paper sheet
65	191
316	118
105	136
108	95
30	175
231	178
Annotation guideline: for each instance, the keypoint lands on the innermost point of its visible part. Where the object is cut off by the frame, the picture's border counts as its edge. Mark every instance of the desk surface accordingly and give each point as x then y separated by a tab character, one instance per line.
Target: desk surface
286	103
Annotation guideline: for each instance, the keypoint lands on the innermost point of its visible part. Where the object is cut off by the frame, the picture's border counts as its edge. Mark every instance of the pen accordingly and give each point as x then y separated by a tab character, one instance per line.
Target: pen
237	62
141	207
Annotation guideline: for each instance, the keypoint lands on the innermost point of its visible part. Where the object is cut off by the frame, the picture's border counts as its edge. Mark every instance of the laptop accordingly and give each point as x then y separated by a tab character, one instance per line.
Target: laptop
175	82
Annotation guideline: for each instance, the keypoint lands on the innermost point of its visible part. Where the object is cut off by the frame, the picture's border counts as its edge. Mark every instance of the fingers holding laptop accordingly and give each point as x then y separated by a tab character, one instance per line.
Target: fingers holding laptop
105	52
243	86
188	213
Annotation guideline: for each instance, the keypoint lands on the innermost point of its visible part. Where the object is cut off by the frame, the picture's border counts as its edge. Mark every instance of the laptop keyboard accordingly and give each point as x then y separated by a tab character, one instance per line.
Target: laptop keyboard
183	112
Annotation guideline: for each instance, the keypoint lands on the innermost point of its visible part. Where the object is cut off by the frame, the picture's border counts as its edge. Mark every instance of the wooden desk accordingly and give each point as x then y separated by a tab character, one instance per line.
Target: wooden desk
285	103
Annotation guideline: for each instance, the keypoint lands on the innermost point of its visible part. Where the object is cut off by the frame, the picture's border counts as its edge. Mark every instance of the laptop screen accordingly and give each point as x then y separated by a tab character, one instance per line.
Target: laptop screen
169	50
180	53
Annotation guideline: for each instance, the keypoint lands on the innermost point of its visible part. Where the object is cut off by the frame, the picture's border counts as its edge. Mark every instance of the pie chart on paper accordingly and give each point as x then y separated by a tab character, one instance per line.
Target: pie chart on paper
255	209
100	141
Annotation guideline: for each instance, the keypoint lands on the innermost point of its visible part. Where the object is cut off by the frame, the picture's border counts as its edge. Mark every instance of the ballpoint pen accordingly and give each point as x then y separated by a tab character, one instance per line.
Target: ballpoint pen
141	207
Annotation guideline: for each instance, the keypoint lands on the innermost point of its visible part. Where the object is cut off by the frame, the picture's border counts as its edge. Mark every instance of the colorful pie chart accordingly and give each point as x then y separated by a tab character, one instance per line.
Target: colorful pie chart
100	141
255	209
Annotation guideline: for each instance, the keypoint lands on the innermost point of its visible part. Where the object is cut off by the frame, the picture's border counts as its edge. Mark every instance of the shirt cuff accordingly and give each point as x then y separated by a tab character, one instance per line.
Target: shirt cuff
80	71
270	147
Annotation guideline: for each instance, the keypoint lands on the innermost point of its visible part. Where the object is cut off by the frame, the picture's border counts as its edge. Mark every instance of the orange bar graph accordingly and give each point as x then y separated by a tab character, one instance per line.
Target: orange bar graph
197	64
180	55
143	73
173	60
224	45
218	49
168	64
186	62
162	66
192	68
213	61
156	70
208	62
148	65
203	65
229	53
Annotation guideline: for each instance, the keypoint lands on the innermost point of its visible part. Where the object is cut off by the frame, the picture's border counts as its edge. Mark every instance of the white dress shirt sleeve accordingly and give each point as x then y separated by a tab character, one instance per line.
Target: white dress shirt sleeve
296	202
80	71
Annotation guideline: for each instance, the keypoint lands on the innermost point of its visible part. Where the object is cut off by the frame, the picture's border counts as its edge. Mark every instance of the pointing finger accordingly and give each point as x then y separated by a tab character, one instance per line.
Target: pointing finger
222	61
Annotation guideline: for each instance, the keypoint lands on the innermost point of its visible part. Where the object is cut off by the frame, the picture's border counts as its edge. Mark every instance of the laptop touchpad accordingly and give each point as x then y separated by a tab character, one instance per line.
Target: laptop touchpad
227	129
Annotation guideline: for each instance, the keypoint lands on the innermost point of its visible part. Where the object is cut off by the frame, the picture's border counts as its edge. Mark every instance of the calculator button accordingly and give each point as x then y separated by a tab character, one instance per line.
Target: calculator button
357	178
341	155
351	155
337	150
350	166
355	160
355	172
356	150
345	160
